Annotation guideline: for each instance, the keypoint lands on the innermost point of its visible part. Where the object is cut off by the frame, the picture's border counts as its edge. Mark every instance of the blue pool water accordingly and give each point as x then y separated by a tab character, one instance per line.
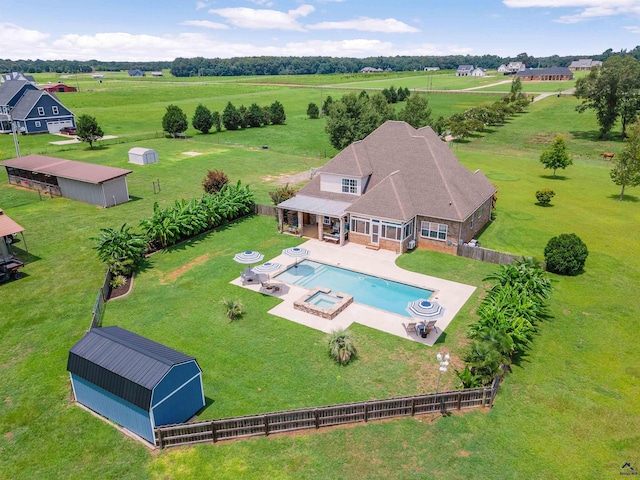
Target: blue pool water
366	289
323	300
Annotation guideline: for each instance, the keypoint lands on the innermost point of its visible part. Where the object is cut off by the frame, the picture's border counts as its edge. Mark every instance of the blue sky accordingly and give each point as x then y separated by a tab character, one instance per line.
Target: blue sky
133	30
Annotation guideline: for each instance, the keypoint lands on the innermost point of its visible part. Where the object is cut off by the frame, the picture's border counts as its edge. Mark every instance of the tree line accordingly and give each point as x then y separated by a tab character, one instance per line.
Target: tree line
200	66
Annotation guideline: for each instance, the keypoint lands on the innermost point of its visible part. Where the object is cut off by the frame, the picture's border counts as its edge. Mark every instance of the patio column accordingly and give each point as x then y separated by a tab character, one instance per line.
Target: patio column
341	231
280	220
319	222
300	223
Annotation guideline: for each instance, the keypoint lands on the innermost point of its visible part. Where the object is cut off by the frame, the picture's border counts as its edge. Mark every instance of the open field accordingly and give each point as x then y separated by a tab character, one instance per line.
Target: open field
568	410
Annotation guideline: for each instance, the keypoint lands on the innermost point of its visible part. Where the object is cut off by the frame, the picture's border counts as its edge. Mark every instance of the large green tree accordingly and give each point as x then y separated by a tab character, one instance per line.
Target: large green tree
626	166
202	119
352	118
174	120
88	130
556	156
612	91
231	117
416	112
276	111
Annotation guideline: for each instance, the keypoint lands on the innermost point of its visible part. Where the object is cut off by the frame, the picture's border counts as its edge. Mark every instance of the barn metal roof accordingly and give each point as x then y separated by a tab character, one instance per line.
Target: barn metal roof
84	172
8	226
123	363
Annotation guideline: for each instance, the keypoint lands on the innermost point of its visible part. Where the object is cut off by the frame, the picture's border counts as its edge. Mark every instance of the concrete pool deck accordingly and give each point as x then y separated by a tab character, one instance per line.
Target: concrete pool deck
381	263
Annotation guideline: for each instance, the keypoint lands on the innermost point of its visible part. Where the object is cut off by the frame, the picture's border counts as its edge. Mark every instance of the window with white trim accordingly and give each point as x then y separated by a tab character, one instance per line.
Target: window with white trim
41	111
437	231
390	231
37	124
349	185
360	225
408	229
54	109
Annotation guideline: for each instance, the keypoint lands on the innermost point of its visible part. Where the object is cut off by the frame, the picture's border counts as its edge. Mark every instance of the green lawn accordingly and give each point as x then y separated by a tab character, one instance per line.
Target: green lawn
568	410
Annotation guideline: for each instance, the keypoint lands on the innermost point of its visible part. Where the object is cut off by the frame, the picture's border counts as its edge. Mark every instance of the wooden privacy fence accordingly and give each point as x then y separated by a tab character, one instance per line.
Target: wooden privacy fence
313	418
486	255
103	296
268	210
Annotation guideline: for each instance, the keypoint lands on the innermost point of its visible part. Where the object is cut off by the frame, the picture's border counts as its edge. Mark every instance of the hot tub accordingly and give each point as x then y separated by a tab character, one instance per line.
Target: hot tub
324	303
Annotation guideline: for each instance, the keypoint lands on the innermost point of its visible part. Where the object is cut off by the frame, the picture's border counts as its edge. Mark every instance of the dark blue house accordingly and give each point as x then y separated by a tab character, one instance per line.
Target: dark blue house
133	381
32	110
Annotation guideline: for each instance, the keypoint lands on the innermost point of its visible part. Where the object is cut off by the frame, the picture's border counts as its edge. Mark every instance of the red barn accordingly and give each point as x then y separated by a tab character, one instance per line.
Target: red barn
59	87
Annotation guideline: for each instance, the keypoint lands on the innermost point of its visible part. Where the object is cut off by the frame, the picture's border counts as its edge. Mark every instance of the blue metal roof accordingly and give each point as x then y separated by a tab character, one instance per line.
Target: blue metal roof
123	363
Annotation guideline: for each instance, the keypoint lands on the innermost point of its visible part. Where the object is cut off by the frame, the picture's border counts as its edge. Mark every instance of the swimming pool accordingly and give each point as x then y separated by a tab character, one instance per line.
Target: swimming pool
366	289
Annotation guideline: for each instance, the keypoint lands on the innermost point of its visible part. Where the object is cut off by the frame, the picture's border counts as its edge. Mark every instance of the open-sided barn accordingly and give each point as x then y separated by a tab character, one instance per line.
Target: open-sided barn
86	182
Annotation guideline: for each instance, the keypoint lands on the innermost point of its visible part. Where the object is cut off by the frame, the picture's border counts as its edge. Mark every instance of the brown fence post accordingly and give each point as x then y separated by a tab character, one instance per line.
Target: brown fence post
484	396
315	413
159	440
413	406
366	411
266	426
213	431
459	400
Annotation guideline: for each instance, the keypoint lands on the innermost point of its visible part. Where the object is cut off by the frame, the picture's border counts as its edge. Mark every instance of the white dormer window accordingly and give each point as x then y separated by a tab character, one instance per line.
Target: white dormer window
55	110
41	111
349	185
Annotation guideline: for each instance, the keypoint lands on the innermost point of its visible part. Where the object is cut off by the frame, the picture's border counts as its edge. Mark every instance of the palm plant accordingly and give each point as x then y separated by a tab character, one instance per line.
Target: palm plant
234	308
341	346
468	378
122	250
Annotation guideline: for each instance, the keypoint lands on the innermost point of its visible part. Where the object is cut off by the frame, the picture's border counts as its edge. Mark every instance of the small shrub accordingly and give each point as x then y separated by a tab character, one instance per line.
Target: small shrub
233	307
565	254
341	346
118	281
283	193
544	196
214	181
313	111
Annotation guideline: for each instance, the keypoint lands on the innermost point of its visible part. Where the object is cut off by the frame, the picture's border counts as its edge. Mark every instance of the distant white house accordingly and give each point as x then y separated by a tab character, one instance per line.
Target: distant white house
584	64
515	67
502	68
478	72
464	70
97	75
156	74
431	69
371	70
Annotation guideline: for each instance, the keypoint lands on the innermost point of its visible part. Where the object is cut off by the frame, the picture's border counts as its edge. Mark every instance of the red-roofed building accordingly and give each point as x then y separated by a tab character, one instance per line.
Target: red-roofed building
86	182
58	87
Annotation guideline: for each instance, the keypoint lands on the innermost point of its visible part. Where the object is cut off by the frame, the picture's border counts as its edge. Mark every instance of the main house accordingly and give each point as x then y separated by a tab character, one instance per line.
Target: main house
584	64
464	70
32	110
397	189
550	74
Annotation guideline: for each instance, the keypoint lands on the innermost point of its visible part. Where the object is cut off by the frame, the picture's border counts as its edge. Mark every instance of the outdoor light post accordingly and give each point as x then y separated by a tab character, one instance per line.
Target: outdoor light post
443	360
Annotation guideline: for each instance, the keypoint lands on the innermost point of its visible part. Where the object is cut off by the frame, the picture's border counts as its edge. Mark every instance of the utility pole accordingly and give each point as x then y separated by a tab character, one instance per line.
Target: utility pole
15	135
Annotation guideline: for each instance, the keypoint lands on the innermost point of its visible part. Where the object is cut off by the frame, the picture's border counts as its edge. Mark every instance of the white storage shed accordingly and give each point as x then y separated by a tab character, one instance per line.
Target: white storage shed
142	156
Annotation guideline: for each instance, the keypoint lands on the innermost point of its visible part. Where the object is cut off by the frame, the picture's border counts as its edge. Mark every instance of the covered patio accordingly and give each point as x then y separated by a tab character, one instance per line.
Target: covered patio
314	217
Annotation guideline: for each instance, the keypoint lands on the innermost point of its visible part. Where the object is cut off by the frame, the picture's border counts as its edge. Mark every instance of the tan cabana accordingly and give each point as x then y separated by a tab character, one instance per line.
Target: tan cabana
8	228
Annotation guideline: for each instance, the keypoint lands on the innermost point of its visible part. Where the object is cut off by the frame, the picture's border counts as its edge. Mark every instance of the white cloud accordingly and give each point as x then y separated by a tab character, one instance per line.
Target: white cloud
201	5
205	24
262	3
11	33
633	28
365	24
264	19
588	9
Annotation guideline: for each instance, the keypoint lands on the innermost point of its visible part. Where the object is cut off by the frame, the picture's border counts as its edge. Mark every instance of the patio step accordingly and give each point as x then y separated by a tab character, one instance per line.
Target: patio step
318	271
371	246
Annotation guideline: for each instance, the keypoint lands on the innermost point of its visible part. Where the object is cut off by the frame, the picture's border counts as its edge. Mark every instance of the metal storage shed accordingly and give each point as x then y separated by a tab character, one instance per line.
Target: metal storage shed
134	381
142	156
86	182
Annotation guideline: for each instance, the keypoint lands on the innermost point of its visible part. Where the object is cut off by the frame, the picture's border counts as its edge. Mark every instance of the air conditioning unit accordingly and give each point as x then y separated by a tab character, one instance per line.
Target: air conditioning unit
412	244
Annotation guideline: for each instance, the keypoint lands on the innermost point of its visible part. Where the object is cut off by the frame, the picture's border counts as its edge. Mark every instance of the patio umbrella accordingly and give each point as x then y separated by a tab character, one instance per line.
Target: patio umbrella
248	258
268	268
296	252
425	309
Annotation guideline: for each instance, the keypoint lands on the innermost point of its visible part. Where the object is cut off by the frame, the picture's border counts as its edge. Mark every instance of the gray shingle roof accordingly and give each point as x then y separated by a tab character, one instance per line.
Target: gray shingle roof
410	172
123	363
10	88
26	104
545	71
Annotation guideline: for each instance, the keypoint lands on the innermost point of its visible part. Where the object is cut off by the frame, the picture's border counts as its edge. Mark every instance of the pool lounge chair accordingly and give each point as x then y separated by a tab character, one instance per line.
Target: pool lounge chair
410	328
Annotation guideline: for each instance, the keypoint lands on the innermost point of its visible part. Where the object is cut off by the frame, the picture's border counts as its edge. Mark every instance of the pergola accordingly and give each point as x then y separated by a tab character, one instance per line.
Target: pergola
328	214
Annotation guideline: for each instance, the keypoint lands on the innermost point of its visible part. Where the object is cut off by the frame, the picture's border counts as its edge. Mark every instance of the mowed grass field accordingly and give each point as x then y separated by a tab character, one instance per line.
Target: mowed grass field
568	410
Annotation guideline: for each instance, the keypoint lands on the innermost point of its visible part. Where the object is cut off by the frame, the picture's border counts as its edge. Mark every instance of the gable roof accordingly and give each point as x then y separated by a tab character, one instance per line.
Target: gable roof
10	88
84	172
465	67
123	363
584	63
28	101
409	172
